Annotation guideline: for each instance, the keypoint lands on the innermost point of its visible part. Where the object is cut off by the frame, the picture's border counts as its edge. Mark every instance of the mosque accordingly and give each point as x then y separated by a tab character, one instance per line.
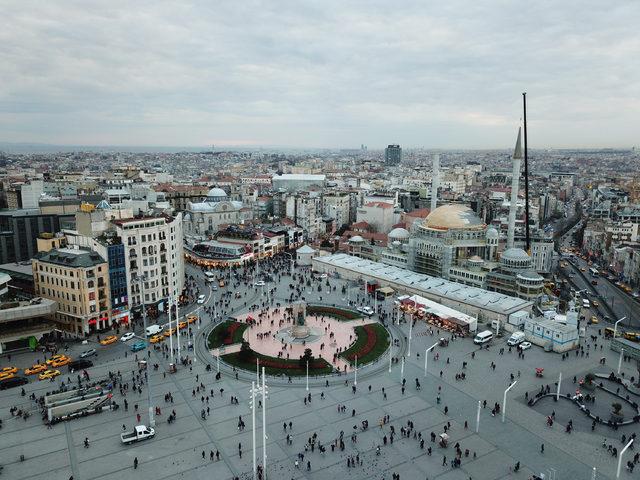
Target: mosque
453	243
204	218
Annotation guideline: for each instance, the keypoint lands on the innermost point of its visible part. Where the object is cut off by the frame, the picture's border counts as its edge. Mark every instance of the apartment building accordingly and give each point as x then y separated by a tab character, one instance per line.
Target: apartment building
153	250
78	280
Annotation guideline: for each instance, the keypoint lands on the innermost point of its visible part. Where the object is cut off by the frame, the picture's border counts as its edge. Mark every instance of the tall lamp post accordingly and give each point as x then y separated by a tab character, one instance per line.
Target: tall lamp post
141	279
615	327
504	400
426	357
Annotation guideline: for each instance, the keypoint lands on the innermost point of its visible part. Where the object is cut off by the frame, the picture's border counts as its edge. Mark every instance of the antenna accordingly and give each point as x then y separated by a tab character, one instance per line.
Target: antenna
526	176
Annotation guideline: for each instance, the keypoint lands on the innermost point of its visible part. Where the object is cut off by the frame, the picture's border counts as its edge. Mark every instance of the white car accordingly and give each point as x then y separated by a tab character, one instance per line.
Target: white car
324	275
201	299
524	345
127	336
368	311
259	283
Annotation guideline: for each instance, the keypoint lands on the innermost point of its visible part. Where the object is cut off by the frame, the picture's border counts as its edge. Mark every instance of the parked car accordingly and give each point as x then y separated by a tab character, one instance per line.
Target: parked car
136	347
368	311
88	353
525	345
13	382
201	299
140	432
109	340
48	374
127	336
37	368
80	365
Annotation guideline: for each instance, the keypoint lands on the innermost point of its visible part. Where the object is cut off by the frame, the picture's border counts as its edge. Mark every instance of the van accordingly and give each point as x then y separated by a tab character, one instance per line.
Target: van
153	330
483	337
516	338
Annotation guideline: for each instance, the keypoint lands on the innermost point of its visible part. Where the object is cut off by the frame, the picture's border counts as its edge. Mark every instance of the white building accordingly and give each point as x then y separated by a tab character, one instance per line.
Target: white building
382	216
297	181
337	206
205	218
154	249
306	212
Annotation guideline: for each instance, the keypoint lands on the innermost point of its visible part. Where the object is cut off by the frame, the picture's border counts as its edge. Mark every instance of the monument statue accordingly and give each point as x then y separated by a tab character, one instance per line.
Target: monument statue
300	330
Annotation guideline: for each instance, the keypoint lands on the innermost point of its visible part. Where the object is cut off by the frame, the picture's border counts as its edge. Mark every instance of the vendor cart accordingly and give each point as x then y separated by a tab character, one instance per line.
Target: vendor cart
539	372
444	440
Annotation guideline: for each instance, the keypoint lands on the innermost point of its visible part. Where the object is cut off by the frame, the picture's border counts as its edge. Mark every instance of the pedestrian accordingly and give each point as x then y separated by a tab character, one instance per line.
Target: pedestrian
542	448
135	463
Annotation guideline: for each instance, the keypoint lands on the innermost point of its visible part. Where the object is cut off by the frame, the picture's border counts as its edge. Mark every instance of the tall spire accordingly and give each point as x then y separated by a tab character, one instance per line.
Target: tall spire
515	185
435	181
517	152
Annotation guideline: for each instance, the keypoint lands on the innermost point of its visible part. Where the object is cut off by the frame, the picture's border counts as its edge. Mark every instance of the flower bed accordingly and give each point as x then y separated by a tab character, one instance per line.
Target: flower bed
372	341
341	314
227	333
278	366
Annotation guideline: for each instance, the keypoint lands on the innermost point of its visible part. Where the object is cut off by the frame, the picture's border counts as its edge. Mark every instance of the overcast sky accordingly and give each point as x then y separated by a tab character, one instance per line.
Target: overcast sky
435	74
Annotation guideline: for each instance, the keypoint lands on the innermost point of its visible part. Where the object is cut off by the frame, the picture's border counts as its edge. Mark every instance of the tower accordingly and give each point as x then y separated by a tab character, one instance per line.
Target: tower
435	182
515	185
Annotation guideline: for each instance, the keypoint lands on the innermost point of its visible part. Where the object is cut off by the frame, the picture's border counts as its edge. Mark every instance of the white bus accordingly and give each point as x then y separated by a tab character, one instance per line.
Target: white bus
209	277
586	303
593	272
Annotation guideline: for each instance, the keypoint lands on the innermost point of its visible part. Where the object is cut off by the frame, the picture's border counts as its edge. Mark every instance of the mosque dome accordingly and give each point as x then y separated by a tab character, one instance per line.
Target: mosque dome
515	259
356	239
492	233
453	216
216	193
398	234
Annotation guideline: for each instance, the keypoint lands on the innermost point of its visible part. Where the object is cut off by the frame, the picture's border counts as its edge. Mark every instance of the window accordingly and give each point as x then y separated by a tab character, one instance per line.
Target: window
92	295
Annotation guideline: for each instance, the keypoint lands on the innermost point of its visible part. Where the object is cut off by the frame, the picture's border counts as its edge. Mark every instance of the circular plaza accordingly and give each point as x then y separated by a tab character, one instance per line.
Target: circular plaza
284	339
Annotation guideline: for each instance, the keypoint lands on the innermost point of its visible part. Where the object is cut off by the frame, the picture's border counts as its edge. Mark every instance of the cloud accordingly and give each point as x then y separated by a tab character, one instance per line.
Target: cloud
319	74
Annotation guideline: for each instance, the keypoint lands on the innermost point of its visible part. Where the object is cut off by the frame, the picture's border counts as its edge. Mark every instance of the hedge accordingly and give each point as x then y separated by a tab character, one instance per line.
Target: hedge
372	341
278	366
341	314
227	333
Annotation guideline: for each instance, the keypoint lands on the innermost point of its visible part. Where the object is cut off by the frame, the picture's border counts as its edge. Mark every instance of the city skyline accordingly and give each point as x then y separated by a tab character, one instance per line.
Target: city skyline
299	76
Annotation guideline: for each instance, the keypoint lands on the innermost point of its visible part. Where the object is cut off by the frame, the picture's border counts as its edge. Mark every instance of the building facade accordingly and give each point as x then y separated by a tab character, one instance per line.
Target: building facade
78	280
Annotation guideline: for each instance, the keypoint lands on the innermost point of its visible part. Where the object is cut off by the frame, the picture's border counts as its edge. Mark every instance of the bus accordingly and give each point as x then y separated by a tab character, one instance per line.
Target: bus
209	277
593	272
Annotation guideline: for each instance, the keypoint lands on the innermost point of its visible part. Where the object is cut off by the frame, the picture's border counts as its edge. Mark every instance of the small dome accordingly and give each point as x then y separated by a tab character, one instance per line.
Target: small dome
492	233
476	259
516	254
453	216
216	192
399	234
396	243
356	239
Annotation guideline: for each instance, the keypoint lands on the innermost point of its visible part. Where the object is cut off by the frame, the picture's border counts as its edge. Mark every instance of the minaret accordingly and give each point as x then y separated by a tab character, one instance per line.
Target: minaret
435	182
515	185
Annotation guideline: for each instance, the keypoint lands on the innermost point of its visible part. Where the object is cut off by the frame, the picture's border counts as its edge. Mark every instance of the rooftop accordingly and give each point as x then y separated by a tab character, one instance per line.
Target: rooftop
71	257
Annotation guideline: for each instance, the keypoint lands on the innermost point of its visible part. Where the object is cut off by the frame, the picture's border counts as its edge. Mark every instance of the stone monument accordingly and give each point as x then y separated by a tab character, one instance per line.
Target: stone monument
300	330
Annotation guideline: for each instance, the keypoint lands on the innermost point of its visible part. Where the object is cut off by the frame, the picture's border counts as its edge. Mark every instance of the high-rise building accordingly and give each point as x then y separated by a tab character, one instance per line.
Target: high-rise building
393	155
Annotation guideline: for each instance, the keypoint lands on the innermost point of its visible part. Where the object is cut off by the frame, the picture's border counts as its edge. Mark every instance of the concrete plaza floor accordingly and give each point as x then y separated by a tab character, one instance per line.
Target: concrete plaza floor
176	451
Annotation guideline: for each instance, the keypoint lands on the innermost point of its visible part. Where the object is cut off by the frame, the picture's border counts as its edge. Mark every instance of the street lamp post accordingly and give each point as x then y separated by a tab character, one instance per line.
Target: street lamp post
620	360
307	375
178	326
402	370
615	326
426	357
170	300
410	332
253	425
264	426
620	457
478	416
152	420
390	359
559	383
504	400
355	373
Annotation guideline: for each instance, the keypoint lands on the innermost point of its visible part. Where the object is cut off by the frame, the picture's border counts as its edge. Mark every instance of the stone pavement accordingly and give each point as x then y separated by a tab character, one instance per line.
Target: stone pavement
176	451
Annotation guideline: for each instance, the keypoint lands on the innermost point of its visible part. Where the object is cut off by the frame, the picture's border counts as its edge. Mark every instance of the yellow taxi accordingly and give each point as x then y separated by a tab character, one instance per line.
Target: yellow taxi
633	336
48	374
157	339
55	358
7	375
192	319
182	325
169	332
594	319
582	269
37	368
8	370
61	362
109	340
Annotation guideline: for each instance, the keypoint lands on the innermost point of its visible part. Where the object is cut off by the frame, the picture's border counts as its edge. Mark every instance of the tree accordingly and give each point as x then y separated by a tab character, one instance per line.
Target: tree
307	357
616	408
589	378
245	351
